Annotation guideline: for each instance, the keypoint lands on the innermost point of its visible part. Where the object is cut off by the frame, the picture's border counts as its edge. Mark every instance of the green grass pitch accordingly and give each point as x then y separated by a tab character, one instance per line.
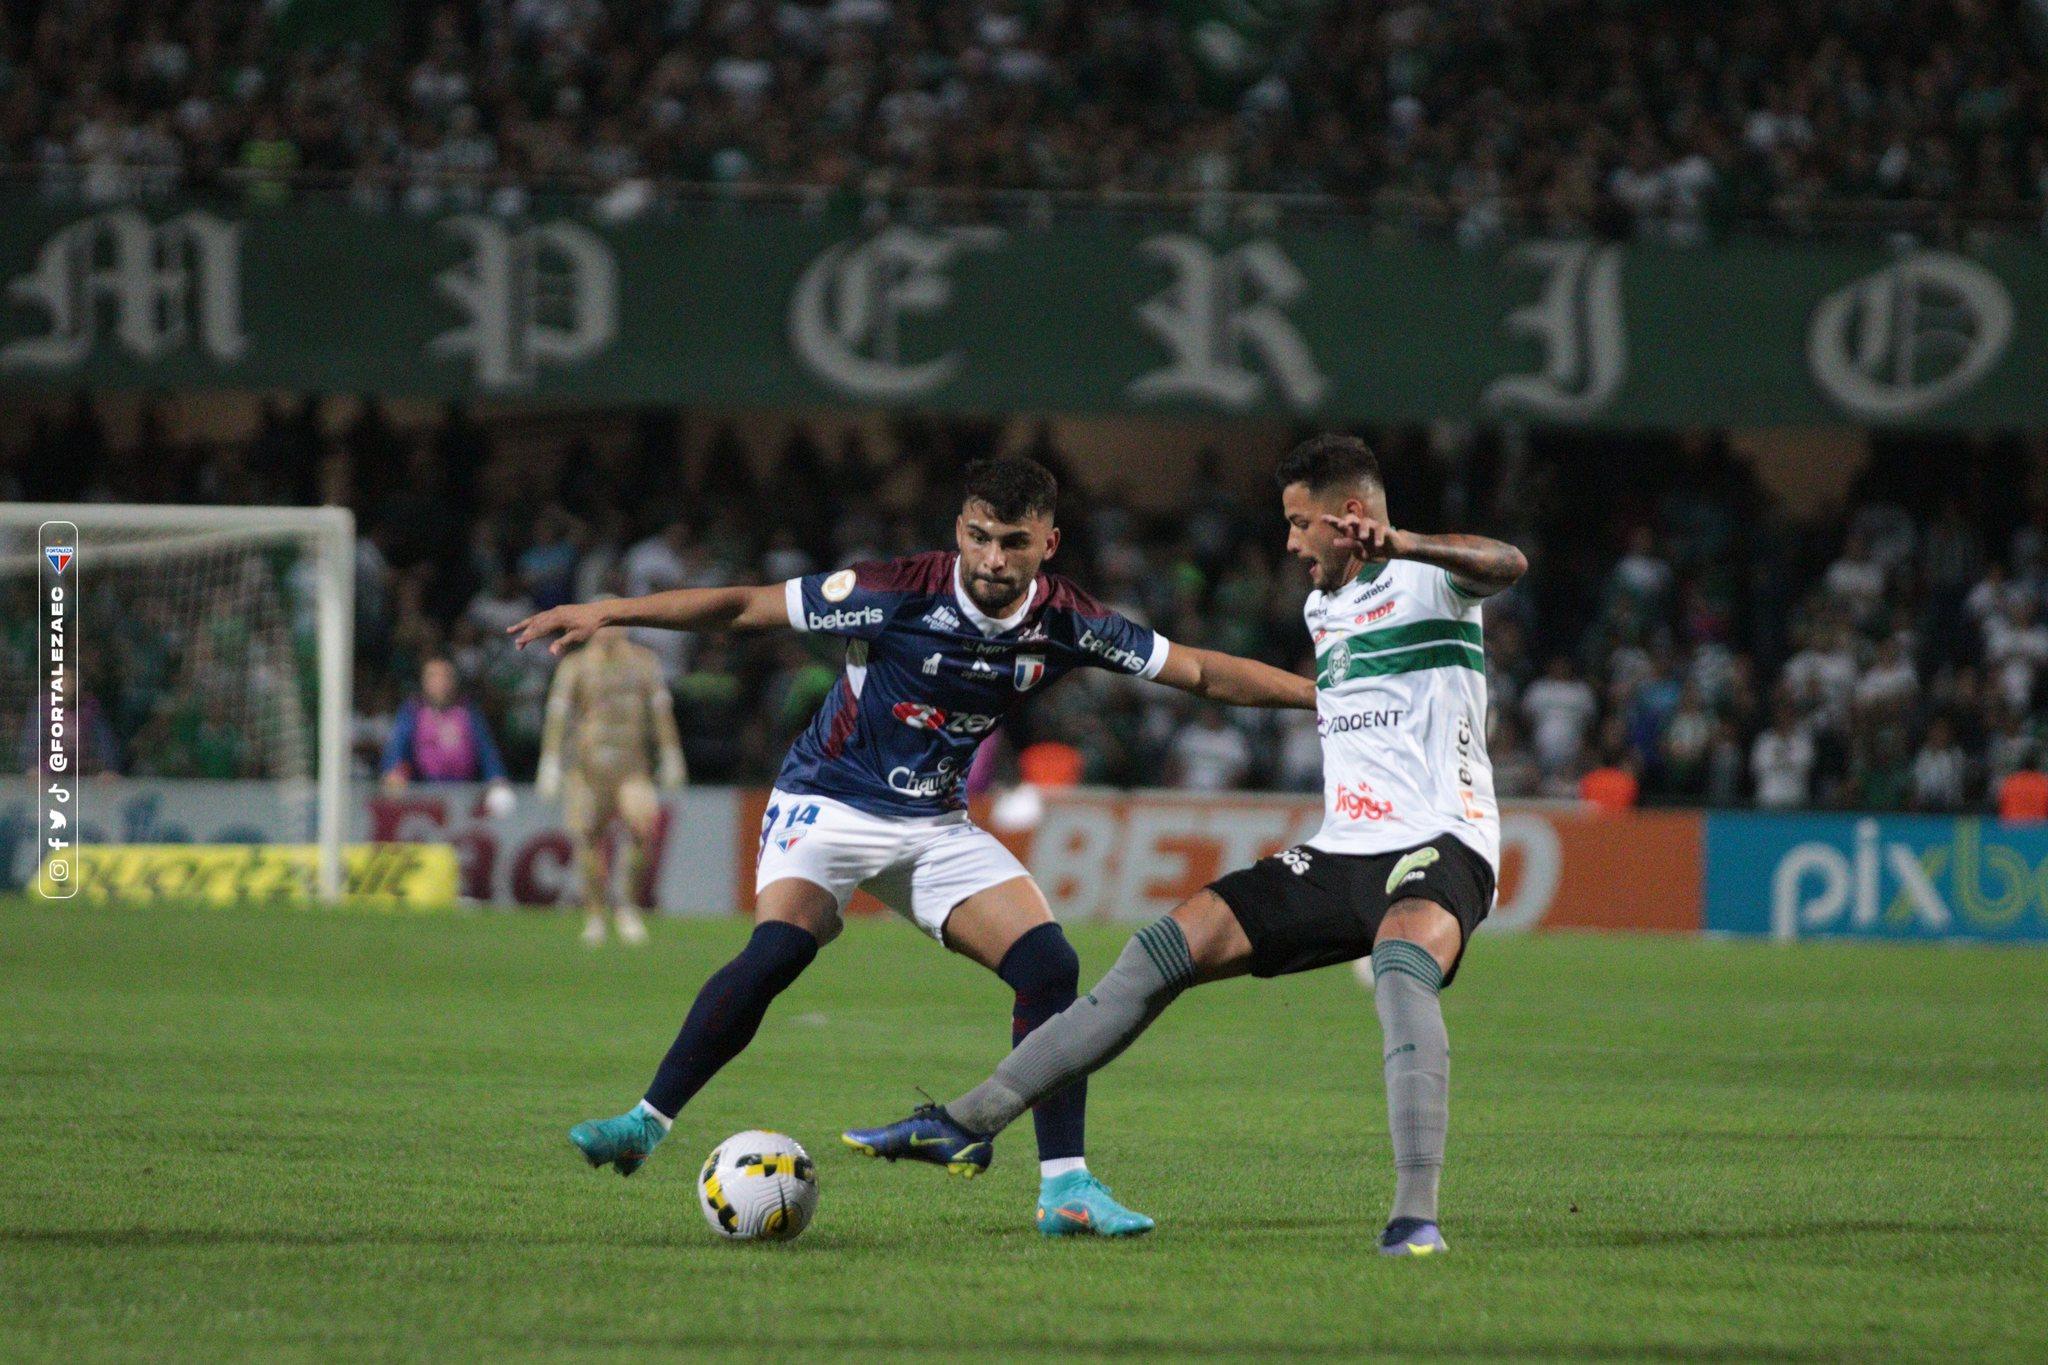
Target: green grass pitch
317	1136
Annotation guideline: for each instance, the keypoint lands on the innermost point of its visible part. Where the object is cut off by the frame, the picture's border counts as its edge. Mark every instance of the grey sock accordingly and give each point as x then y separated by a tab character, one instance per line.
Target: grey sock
1406	980
1154	968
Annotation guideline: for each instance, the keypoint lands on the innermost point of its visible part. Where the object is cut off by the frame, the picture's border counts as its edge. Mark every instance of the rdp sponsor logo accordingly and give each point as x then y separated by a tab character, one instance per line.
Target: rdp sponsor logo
846	619
1904	878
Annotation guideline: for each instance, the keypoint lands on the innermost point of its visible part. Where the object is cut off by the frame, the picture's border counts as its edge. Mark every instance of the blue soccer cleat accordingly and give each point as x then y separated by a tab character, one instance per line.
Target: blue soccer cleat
1412	1237
623	1143
1078	1205
928	1135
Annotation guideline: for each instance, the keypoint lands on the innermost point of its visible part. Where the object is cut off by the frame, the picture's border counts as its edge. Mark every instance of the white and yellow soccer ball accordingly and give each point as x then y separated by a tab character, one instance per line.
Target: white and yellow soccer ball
758	1186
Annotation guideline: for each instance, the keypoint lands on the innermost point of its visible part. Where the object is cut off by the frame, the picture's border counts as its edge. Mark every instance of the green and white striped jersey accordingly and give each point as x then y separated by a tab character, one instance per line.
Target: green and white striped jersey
1401	708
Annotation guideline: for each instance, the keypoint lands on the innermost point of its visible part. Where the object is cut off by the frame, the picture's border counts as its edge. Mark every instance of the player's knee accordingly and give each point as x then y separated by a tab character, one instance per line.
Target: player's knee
1427	925
1042	966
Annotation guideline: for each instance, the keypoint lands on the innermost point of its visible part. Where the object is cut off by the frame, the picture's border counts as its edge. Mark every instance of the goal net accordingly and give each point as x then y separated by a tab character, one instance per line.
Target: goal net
208	643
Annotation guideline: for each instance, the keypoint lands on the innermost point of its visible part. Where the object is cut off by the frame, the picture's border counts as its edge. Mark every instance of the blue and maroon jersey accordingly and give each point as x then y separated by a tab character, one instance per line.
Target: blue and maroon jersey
929	676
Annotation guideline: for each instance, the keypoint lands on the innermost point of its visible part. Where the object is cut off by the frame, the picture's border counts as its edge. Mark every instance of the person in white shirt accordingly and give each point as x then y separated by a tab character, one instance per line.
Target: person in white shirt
1821	678
1560	707
1781	761
1940	769
2015	649
1856	581
1211	755
1891	684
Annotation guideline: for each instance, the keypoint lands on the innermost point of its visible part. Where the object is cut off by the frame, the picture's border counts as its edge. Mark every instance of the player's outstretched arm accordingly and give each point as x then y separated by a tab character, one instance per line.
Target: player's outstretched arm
738	608
1478	566
1237	682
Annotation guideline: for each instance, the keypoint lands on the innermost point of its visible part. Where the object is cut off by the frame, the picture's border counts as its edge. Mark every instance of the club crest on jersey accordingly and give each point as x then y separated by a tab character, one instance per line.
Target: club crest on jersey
1335	662
60	557
838	586
1030	670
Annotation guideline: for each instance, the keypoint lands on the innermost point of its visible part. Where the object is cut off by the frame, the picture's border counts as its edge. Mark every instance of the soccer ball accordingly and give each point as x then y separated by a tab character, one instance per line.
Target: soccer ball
758	1185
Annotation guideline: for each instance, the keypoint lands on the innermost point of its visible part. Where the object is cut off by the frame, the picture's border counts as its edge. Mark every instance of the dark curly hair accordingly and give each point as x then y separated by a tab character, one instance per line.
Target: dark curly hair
1013	487
1322	462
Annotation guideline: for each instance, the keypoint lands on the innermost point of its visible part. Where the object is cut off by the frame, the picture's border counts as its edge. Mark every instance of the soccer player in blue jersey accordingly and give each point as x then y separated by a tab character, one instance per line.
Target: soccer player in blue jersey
941	647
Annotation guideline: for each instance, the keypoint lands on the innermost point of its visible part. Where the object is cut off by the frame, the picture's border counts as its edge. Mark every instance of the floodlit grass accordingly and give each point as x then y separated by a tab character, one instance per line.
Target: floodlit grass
343	1135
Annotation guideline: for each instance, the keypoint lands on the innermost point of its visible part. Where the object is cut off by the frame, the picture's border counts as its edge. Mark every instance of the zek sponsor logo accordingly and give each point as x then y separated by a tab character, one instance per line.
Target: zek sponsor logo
1945	878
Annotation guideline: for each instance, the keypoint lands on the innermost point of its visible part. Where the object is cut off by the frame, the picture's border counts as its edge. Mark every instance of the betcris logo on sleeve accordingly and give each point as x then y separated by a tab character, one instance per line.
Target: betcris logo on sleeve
1881	877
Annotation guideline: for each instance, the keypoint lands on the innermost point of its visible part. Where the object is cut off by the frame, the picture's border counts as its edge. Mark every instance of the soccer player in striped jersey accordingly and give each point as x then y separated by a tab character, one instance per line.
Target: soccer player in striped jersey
941	647
1402	869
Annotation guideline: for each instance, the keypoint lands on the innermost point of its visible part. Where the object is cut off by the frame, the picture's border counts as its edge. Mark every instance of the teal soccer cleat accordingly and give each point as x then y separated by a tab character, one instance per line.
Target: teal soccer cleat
623	1143
1078	1205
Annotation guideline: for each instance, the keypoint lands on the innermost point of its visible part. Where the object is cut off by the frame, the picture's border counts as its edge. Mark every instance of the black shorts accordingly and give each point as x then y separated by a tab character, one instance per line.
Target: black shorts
1304	908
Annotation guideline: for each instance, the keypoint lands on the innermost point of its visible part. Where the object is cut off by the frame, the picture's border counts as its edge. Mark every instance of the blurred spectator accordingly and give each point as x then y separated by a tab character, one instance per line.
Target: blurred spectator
1941	771
1534	115
1781	761
1560	707
438	737
1651	660
1211	755
2015	649
93	747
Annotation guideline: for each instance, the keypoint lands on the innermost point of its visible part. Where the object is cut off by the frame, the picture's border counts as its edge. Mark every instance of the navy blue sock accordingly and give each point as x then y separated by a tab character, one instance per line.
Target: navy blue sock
728	1011
1044	970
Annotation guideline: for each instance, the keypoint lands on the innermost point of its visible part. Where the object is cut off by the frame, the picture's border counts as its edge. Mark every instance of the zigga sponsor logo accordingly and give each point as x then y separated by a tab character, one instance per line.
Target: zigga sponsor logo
1112	653
846	618
1359	720
1361	804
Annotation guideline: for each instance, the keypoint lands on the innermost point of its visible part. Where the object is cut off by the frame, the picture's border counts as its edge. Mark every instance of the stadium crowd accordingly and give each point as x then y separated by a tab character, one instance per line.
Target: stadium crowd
1661	117
1685	634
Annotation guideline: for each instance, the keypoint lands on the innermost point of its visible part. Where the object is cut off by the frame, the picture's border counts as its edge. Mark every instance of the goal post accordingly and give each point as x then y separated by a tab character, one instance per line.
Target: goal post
217	624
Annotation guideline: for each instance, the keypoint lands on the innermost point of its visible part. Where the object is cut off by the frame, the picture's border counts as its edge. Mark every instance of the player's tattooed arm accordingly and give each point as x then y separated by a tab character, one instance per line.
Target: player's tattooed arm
1478	565
738	608
1234	681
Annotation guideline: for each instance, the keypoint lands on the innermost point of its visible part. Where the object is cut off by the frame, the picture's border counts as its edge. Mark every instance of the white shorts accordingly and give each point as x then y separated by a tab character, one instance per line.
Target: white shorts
920	867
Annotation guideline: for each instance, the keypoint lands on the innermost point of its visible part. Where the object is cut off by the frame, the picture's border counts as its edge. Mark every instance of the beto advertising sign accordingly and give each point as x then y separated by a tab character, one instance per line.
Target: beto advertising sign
1909	877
